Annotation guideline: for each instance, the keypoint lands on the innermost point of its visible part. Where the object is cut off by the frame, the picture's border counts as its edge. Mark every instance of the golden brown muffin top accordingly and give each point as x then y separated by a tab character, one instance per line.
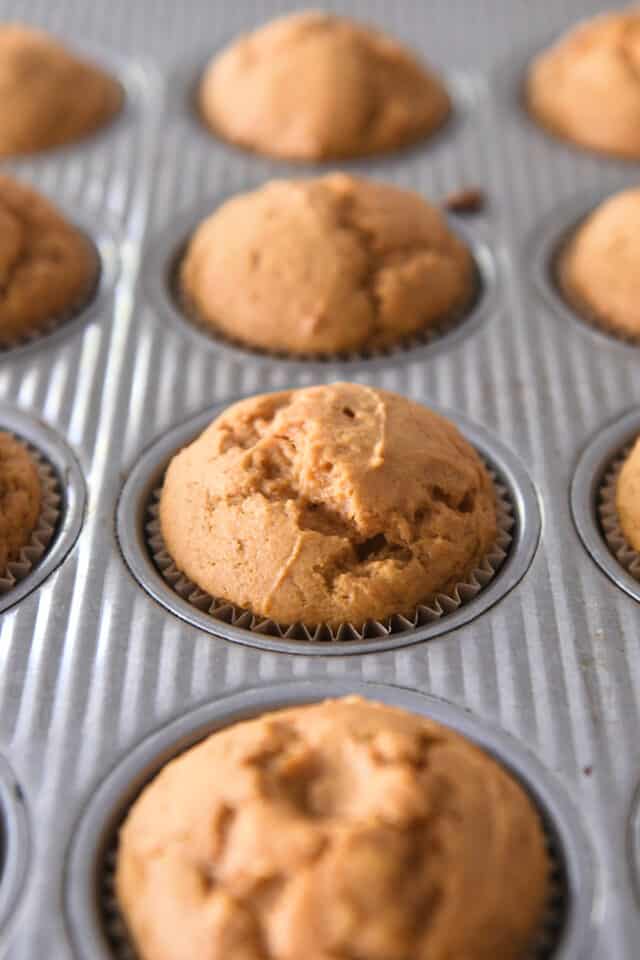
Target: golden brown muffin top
325	266
332	831
332	504
628	497
48	268
586	87
49	97
312	85
600	267
20	498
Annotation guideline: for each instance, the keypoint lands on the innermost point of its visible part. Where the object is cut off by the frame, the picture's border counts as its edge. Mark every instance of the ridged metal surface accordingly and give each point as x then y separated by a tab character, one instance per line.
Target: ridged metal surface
89	664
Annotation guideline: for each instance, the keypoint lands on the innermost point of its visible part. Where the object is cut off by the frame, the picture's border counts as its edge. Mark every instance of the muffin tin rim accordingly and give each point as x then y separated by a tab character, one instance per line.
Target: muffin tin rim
105	239
55	450
589	473
107	805
16	856
151	463
166	245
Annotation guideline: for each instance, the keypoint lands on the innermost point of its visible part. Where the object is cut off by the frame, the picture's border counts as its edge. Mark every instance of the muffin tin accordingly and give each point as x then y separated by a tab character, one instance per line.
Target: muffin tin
92	665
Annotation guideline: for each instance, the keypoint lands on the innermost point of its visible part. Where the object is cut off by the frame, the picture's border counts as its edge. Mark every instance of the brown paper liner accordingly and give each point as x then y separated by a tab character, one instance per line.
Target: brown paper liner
581	308
74	310
420	338
543	944
45	528
236	616
620	547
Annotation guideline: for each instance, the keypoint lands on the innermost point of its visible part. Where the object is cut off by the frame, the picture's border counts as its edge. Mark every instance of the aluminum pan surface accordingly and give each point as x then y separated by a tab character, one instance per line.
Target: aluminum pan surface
89	664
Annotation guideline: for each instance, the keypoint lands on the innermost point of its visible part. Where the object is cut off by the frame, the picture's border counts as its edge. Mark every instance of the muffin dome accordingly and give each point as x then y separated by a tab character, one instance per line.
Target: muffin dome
586	88
600	269
341	829
328	504
628	497
49	97
20	498
47	266
325	266
313	86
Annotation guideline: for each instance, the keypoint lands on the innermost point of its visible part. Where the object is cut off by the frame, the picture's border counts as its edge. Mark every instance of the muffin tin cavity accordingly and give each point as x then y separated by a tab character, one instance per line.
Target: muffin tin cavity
545	248
70	497
591	507
14	849
104	242
134	516
161	278
96	927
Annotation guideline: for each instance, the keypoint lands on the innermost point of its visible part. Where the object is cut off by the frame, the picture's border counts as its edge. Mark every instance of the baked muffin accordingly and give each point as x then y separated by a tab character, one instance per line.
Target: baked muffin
586	88
628	497
20	498
599	270
313	86
340	829
325	266
47	266
49	97
328	504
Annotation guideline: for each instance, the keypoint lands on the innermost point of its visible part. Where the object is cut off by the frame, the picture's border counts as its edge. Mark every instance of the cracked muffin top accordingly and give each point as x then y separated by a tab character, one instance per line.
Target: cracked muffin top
628	497
333	831
47	266
328	504
20	498
599	270
313	86
586	88
49	97
325	266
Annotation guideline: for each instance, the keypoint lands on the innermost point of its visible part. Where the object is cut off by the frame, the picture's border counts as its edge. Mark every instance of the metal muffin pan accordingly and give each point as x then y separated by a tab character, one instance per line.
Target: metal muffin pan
58	455
14	849
91	664
96	831
587	483
147	476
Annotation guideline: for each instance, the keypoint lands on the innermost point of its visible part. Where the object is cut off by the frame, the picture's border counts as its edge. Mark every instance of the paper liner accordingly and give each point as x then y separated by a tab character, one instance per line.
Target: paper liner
74	310
577	305
420	338
617	542
45	528
542	948
236	616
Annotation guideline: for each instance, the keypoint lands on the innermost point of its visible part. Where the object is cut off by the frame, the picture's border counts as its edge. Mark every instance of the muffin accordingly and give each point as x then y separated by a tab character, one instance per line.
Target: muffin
325	266
48	268
20	498
340	829
331	504
49	96
599	270
628	497
313	86
586	88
